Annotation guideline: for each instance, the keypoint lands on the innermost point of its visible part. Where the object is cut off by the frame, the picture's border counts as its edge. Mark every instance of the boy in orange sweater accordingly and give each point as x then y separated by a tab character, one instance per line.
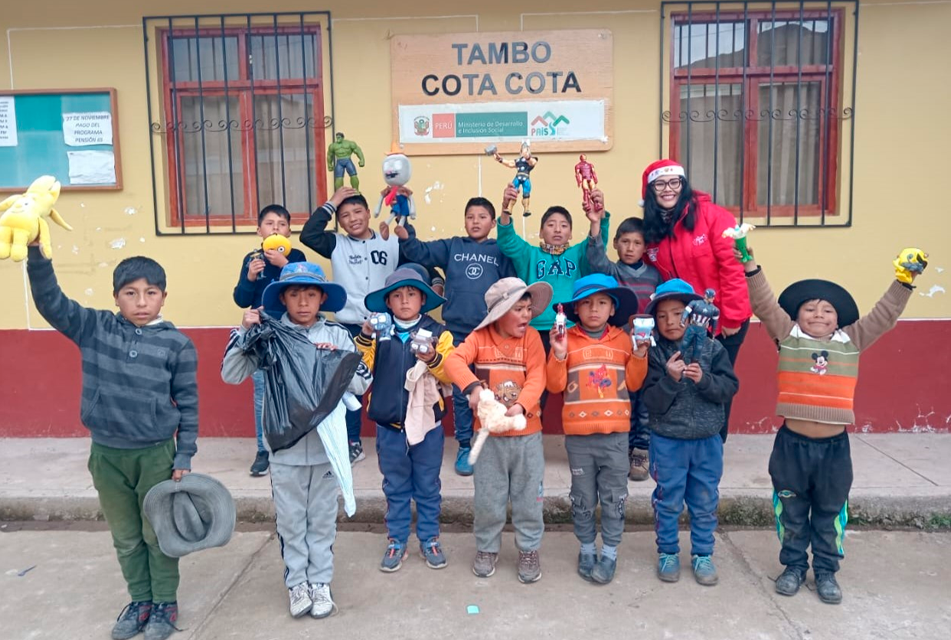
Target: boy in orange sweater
596	365
509	359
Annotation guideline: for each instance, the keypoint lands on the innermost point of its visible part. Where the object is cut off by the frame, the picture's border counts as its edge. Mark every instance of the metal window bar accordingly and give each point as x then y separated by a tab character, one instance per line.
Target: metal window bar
201	115
224	59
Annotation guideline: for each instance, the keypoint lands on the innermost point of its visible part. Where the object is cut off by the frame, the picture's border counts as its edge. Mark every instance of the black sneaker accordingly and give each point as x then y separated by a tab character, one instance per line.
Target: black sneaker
788	583
162	621
827	588
261	464
131	620
356	453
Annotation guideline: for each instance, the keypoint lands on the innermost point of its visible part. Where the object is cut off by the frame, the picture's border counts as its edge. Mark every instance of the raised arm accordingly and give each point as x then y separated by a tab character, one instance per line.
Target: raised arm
65	315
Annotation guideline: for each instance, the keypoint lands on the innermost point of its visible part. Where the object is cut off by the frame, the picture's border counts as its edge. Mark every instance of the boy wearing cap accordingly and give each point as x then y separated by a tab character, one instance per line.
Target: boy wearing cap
820	335
409	447
304	477
140	404
509	360
597	366
686	406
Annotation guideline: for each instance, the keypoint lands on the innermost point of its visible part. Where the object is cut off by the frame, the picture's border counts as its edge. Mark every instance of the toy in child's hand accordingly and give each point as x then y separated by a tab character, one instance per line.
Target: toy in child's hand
585	177
492	417
396	172
739	233
701	315
561	321
523	166
381	324
909	263
23	220
339	160
642	330
422	341
274	242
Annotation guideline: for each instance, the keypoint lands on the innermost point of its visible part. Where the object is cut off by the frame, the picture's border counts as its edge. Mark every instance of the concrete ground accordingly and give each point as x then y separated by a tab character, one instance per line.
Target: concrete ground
57	584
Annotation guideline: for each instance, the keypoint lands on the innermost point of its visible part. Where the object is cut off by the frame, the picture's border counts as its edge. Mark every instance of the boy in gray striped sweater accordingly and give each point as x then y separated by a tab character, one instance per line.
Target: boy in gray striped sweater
140	404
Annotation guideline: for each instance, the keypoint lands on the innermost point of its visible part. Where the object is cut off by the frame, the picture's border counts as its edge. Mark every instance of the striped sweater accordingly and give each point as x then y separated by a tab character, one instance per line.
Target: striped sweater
140	384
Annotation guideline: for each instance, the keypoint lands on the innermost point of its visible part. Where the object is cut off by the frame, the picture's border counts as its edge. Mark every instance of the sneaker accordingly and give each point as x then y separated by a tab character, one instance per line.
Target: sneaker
394	556
131	620
463	468
356	453
300	599
261	464
668	567
639	462
529	568
586	562
789	581
603	572
484	564
704	570
828	589
162	621
324	604
432	553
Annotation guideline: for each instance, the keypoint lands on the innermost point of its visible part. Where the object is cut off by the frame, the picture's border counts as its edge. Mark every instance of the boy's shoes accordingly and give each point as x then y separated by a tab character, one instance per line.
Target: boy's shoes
827	588
484	564
394	556
704	570
323	603
529	568
586	562
162	621
300	599
261	464
788	583
132	620
668	567
356	453
432	554
463	468
639	465
604	571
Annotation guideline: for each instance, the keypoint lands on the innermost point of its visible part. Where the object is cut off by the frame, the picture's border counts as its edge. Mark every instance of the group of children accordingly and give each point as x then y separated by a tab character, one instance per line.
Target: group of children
501	332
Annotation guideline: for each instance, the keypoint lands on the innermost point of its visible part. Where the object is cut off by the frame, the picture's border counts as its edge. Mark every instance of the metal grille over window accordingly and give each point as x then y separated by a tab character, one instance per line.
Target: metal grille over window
238	118
758	103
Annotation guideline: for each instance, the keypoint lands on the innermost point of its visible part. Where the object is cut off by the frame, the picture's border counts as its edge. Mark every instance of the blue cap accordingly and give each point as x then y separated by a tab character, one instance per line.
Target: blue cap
625	300
675	289
408	275
303	274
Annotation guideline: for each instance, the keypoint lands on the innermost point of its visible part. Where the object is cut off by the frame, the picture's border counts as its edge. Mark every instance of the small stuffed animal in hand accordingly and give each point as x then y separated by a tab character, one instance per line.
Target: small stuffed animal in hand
23	220
493	420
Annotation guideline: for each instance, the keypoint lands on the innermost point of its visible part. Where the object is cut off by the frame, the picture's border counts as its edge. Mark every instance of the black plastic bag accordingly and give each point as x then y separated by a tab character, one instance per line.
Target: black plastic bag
303	384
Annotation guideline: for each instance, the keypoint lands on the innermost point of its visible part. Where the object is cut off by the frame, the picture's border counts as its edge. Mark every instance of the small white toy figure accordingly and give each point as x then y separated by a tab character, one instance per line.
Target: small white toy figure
397	172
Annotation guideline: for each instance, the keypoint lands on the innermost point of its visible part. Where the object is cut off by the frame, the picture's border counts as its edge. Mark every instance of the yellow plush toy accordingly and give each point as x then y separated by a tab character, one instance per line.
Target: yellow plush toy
909	263
276	242
23	219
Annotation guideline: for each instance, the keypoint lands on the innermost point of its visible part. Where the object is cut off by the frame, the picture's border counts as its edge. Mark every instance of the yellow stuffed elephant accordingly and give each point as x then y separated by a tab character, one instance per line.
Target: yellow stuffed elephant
23	219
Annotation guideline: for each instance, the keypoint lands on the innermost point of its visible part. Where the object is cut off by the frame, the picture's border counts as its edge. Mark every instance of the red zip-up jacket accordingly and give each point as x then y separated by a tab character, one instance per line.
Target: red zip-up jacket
704	258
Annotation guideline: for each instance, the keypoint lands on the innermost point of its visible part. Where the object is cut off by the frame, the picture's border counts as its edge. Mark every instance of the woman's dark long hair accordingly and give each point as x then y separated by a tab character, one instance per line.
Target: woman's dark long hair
656	228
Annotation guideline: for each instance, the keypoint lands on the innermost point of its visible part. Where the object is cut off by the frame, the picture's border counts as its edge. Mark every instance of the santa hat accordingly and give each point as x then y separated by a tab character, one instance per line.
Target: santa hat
657	169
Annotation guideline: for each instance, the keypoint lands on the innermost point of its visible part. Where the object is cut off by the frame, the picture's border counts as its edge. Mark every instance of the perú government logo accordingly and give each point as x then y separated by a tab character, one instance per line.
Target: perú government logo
421	125
549	125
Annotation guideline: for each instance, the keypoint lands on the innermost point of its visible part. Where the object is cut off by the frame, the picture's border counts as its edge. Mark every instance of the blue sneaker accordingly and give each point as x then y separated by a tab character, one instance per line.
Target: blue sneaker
603	572
668	567
704	571
463	468
393	558
432	554
586	562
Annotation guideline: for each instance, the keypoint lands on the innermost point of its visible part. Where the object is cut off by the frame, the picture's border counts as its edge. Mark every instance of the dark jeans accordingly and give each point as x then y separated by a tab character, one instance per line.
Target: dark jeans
640	435
461	413
732	346
811	475
410	473
354	418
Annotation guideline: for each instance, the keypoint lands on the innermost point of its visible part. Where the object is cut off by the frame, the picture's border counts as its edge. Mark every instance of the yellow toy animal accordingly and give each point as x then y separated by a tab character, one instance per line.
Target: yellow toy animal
909	263
23	219
275	242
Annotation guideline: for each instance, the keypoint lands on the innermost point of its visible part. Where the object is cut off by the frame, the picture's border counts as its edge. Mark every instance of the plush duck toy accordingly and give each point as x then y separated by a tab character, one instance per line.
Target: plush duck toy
24	219
493	420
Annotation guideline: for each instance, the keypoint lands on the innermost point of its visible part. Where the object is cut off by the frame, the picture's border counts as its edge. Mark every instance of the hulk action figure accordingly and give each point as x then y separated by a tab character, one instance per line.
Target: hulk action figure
338	160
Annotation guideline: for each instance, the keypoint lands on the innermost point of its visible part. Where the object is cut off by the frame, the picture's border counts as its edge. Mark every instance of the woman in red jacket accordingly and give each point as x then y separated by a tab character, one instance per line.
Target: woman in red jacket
683	230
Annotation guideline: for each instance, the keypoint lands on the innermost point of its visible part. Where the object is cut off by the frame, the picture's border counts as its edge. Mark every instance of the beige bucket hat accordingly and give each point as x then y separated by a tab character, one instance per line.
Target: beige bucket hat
503	295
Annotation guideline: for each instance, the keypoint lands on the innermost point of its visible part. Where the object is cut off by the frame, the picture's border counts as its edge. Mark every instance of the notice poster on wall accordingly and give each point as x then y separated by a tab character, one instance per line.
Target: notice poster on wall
91	167
87	129
8	122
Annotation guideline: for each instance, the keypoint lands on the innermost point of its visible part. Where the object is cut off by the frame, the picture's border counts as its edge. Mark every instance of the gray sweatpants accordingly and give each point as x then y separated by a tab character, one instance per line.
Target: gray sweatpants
510	467
305	502
599	467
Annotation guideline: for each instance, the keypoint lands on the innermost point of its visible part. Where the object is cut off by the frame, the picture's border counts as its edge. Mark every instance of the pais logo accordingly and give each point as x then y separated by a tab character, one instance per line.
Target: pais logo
548	125
421	125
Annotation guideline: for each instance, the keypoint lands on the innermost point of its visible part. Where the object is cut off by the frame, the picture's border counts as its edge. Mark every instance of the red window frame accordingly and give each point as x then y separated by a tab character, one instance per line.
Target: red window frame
242	89
755	77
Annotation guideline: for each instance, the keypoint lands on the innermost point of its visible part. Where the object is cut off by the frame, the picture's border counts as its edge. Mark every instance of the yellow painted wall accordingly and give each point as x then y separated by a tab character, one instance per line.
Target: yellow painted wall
901	149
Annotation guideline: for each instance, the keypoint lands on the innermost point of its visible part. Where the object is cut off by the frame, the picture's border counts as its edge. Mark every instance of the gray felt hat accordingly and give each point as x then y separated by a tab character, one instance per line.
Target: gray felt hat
190	515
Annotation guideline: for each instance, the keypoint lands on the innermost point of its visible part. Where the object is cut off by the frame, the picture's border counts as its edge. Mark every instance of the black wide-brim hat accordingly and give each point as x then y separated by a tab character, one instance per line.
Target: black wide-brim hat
841	300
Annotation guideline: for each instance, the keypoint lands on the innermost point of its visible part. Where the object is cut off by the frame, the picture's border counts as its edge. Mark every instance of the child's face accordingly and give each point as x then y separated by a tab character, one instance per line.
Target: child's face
274	223
405	303
479	222
303	304
629	247
354	218
514	324
594	311
556	230
667	317
817	318
140	302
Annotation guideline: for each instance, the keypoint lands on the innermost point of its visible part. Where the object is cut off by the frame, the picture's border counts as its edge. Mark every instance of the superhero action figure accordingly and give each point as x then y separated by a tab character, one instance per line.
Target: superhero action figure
523	166
338	160
585	177
702	316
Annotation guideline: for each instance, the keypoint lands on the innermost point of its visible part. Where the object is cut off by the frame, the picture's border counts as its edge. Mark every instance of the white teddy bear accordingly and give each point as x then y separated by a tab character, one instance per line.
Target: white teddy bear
493	420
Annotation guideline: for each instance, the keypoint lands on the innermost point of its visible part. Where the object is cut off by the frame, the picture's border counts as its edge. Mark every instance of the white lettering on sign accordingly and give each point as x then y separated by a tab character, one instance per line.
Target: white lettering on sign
89	128
8	122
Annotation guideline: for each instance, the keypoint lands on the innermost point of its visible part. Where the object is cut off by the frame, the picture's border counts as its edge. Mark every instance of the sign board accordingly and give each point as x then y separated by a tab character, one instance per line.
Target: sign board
455	93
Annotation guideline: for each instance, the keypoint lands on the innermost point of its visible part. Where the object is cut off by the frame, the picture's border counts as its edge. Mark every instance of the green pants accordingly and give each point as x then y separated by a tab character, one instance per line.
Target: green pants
123	477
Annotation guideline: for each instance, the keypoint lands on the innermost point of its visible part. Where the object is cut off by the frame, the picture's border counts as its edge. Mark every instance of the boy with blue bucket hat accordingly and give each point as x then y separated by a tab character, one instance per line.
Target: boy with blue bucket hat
305	476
